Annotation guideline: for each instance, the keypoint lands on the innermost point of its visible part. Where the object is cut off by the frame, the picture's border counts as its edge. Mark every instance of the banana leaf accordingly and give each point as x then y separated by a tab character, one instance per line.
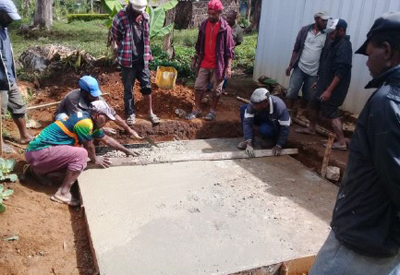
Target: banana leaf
168	5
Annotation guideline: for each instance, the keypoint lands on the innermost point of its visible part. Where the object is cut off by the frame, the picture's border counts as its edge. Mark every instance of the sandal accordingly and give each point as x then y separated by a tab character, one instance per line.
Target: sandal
131	120
154	119
193	115
71	202
210	116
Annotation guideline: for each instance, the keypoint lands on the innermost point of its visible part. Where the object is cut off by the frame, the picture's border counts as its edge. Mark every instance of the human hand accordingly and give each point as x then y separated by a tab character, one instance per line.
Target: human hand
134	134
132	153
288	69
325	96
103	162
250	151
314	86
276	150
228	72
194	61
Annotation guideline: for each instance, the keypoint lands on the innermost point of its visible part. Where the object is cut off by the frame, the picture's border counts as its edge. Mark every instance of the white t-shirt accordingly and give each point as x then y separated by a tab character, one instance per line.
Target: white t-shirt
311	54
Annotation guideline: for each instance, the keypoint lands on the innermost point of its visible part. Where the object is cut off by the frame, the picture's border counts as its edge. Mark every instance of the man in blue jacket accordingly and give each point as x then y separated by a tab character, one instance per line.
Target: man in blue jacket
365	237
269	114
11	97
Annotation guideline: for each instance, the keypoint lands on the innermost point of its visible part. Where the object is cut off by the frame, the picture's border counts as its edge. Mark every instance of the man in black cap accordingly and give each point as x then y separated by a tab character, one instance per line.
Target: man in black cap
333	83
365	237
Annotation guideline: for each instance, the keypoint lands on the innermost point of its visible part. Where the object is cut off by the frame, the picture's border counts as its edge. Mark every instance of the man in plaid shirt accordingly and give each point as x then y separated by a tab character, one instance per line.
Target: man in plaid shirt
130	30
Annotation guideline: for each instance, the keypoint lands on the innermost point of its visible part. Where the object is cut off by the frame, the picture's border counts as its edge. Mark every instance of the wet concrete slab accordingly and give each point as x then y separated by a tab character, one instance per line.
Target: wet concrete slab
205	217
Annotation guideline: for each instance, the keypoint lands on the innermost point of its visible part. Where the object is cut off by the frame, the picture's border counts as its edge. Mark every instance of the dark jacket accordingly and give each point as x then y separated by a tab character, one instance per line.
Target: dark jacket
366	214
224	46
336	60
299	44
277	114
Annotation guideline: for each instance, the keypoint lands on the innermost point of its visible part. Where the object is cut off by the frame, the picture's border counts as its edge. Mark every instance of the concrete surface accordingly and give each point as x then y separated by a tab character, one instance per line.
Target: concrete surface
215	217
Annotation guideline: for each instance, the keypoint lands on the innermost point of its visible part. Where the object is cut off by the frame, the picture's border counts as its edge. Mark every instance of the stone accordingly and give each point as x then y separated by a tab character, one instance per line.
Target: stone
333	173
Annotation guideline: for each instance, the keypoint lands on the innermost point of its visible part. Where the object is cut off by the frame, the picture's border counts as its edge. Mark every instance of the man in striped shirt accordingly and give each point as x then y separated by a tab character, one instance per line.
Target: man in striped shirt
130	30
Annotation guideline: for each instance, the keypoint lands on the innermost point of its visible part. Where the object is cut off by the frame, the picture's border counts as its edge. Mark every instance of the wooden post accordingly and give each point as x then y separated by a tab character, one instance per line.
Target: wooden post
1	126
327	155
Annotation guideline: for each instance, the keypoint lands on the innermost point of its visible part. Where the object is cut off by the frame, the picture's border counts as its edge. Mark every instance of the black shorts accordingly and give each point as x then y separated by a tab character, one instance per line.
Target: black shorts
327	110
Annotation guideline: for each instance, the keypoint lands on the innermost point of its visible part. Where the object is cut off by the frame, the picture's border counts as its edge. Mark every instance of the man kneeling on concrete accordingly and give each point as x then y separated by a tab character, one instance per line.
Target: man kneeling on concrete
57	148
271	117
80	99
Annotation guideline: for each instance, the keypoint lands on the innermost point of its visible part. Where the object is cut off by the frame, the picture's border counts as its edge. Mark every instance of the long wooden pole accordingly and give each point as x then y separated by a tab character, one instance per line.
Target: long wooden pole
50	104
196	156
327	155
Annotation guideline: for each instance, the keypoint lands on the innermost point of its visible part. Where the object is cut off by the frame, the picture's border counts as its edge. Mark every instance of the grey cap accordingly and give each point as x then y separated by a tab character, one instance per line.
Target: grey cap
9	7
259	95
322	14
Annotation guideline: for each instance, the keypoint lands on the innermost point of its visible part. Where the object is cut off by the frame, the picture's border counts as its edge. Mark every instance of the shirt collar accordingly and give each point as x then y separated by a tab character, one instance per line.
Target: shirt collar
380	80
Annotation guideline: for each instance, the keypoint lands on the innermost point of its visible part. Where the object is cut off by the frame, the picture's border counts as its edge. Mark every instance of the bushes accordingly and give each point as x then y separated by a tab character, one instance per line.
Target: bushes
86	17
181	62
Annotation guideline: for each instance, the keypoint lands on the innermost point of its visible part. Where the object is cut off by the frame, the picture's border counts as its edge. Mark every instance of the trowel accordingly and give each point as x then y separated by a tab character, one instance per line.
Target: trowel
151	142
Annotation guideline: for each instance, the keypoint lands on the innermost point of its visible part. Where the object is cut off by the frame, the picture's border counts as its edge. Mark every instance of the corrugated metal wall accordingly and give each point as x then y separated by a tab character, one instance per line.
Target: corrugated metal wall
282	19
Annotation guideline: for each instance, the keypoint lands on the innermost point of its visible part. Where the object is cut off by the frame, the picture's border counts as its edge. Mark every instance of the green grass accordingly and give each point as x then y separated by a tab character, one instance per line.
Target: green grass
88	36
91	37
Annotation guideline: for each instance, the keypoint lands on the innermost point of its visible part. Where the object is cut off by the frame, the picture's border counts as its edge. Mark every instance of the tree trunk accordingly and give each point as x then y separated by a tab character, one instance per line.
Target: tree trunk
248	11
168	47
43	18
256	16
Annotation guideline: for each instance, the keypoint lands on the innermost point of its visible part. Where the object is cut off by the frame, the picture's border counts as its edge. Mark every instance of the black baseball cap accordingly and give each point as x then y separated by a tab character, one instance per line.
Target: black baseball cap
389	21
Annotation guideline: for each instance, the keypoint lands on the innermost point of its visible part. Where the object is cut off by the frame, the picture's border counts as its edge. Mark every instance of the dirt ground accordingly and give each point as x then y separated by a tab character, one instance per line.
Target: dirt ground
53	237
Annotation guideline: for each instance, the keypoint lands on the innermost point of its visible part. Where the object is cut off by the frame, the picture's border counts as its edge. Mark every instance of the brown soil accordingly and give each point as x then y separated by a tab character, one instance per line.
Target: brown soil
53	237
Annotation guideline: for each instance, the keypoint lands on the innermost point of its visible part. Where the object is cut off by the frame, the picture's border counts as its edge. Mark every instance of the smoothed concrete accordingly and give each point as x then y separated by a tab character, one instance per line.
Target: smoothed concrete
214	217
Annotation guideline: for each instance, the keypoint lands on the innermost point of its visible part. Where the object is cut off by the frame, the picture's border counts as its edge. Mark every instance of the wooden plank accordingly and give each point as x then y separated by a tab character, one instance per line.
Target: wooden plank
195	156
327	155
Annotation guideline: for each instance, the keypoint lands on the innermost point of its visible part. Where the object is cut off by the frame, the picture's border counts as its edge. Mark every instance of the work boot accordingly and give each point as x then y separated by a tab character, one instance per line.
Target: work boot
242	145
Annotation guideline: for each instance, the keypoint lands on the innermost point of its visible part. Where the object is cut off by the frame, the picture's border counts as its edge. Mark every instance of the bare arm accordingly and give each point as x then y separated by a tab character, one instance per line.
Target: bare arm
109	141
101	161
120	122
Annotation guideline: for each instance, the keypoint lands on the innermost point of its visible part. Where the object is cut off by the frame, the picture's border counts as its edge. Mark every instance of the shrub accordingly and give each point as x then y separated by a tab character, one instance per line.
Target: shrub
244	23
86	17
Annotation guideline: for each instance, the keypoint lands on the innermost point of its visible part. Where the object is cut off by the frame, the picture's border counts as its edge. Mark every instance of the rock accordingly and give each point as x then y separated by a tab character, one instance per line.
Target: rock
333	173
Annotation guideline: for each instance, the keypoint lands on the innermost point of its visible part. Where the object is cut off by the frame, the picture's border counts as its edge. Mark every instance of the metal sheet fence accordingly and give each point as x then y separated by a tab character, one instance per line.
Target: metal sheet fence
282	19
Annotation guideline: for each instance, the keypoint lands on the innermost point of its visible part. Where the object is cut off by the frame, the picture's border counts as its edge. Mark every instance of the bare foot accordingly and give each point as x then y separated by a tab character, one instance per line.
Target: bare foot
25	139
305	131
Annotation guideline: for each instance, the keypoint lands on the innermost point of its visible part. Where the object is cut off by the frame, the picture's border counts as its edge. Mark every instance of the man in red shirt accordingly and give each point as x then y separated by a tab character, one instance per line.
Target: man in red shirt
214	54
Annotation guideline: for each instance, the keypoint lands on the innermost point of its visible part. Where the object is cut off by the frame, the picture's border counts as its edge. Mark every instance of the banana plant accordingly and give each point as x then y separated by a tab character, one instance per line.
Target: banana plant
157	19
157	16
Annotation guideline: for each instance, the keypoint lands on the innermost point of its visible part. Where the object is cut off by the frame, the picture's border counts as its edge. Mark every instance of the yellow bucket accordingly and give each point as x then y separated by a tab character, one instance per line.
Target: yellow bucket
166	77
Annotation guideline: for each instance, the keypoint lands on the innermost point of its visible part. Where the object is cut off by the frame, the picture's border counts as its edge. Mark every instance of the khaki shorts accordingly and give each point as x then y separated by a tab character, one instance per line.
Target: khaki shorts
205	76
12	101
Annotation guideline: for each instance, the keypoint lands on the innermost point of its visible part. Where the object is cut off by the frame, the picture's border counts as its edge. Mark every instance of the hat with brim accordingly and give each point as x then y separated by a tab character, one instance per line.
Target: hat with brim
90	85
101	107
322	14
9	7
389	21
259	95
138	5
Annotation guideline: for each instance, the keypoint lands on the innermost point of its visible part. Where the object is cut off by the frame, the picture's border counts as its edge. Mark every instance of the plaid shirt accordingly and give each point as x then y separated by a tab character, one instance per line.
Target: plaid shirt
122	34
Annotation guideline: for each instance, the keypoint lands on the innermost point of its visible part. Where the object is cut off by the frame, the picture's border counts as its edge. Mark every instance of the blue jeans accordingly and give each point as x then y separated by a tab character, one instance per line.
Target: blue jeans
129	75
298	80
266	128
335	259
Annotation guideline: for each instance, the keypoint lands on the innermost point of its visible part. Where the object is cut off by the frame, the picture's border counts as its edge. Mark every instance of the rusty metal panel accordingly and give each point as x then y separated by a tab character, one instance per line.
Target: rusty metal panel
282	19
